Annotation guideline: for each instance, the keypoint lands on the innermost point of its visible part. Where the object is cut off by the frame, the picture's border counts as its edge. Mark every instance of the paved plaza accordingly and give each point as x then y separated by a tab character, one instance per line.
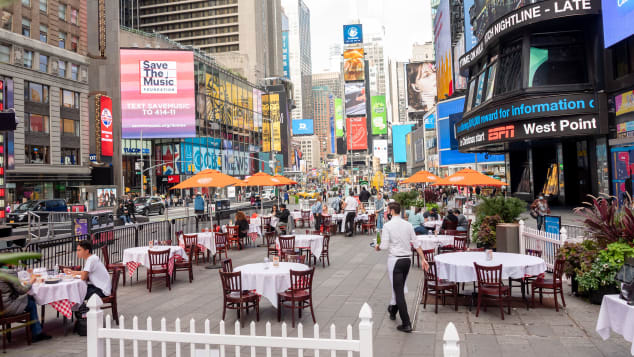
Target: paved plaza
357	274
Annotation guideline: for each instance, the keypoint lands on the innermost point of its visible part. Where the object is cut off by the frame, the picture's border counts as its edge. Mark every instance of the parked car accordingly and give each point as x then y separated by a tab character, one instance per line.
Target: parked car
41	207
147	205
312	194
268	195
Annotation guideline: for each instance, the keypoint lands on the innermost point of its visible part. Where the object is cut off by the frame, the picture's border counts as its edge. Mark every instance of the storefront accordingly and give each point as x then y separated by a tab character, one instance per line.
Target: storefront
132	149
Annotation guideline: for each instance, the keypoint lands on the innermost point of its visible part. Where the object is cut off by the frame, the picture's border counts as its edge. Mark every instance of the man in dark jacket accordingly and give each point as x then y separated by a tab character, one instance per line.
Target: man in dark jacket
283	215
15	300
364	196
131	208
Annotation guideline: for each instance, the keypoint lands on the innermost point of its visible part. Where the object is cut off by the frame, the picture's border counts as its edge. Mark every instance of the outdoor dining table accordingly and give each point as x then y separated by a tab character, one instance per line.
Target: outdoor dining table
134	257
433	224
458	267
616	315
313	241
268	280
61	296
205	239
430	241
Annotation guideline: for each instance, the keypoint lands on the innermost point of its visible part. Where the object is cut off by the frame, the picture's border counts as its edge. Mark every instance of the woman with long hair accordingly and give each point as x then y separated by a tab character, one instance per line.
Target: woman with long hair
243	225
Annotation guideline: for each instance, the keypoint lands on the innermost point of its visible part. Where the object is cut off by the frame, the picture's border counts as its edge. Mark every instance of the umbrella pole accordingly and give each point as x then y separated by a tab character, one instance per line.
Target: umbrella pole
261	215
211	228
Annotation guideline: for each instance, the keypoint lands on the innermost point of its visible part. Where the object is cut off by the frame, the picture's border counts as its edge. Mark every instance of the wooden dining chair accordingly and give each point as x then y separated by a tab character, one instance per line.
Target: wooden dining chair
294	258
6	320
429	255
270	244
326	223
185	265
555	284
227	266
265	223
232	237
110	302
438	287
491	287
305	218
325	254
235	298
287	245
191	240
370	225
158	268
526	280
109	266
299	296
165	242
220	240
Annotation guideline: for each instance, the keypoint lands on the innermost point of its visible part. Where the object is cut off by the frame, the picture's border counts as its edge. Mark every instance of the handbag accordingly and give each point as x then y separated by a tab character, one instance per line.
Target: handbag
534	214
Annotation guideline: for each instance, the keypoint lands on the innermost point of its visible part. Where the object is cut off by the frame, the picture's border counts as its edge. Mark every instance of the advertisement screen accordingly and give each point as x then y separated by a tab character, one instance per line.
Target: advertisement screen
357	133
353	65
303	127
470	39
339	117
379	115
399	143
352	33
355	98
286	67
421	86
442	46
276	135
105	114
480	14
106	197
379	148
157	94
618	21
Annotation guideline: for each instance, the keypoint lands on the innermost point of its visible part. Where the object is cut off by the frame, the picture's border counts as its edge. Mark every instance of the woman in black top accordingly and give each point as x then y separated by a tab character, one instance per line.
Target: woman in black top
243	225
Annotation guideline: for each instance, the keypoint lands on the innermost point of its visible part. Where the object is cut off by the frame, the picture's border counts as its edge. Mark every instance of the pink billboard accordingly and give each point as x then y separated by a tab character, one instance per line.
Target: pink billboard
157	94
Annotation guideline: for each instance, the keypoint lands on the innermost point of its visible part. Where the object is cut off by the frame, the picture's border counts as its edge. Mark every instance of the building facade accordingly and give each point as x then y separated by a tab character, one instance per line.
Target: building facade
44	78
300	62
397	91
422	52
373	48
309	148
324	119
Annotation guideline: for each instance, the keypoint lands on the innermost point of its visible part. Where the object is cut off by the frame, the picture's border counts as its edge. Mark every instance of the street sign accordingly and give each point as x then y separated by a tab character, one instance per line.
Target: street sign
138	165
92	157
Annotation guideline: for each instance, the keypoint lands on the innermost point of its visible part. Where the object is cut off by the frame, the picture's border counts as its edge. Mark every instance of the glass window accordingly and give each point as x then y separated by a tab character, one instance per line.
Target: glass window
70	99
37	123
62	39
43	33
44	5
70	156
557	59
491	80
74	72
35	92
510	69
26	27
28	59
70	127
61	11
37	154
479	89
61	69
74	16
472	85
73	43
5	53
26	3
44	63
6	19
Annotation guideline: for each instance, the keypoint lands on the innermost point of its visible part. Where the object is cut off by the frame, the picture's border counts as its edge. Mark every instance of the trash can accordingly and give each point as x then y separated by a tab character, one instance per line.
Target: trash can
507	237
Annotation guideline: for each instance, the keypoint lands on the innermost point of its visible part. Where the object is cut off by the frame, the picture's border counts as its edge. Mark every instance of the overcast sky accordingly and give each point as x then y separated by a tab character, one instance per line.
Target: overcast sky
405	22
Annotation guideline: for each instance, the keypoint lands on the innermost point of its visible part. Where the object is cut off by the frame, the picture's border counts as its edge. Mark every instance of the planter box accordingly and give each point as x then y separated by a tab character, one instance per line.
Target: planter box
596	296
507	237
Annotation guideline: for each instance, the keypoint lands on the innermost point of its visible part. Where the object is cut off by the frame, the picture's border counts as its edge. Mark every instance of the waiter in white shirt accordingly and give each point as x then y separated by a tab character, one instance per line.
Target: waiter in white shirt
397	236
350	206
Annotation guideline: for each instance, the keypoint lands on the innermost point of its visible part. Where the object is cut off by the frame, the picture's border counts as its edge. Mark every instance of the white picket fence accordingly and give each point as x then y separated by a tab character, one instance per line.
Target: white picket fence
548	243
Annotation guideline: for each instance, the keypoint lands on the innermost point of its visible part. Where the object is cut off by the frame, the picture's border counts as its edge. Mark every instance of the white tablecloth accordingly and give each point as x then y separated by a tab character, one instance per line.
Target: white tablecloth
206	239
361	217
140	254
268	282
618	316
296	214
458	267
313	241
427	242
71	290
432	224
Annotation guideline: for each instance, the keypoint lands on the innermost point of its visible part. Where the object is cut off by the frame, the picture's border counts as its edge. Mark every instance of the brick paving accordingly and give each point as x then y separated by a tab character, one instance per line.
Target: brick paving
357	274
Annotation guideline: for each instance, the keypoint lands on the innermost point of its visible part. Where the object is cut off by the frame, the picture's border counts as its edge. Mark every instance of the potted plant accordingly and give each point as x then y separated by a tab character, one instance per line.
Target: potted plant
600	280
486	236
579	258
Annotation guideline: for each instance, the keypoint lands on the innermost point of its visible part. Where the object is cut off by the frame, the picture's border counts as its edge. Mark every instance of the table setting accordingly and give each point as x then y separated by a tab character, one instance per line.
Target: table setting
314	242
268	279
617	316
458	267
206	240
57	289
430	241
135	257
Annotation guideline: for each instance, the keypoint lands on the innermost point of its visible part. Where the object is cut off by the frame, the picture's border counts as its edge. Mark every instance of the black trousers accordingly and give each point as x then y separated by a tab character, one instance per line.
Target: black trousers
401	269
92	290
350	222
317	217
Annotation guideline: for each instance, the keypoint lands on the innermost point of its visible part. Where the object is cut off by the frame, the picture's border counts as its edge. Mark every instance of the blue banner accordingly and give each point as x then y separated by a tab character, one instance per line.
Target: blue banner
303	127
352	33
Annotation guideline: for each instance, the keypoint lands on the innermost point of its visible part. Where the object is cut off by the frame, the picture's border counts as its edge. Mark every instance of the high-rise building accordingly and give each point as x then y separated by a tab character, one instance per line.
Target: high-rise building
398	91
309	147
324	114
332	80
243	35
373	47
300	56
334	57
44	78
423	52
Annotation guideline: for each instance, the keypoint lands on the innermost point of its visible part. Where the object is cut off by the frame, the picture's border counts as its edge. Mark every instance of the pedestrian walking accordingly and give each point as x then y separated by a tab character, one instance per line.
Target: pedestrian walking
350	206
131	210
199	204
540	209
398	237
379	209
317	210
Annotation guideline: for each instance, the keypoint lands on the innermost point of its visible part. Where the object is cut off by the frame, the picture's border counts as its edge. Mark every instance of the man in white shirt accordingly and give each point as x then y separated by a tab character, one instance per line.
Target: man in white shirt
94	272
398	236
350	206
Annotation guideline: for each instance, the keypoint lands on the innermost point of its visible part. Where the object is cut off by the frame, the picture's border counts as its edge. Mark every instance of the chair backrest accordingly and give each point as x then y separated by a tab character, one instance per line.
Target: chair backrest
460	243
294	258
115	283
220	239
106	257
451	225
429	254
190	256
305	215
190	239
266	221
450	232
430	274
559	270
287	242
476	249
158	257
327	220
231	282
488	275
227	266
302	280
534	252
326	244
270	238
232	231
372	219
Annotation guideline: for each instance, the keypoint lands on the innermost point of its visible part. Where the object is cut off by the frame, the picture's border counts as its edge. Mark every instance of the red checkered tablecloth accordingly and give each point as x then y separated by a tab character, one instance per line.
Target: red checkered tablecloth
64	307
132	267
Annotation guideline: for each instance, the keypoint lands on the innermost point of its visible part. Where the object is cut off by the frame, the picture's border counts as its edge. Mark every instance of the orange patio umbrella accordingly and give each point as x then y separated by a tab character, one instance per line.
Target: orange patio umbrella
469	177
207	178
421	176
261	179
285	180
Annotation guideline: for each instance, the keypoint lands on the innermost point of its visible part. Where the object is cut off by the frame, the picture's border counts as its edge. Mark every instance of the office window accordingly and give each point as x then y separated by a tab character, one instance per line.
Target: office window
74	72
73	43
26	27
35	92
69	98
70	127
70	156
61	12
26	3
74	16
28	59
61	69
5	53
37	123
44	5
62	39
37	154
44	63
43	33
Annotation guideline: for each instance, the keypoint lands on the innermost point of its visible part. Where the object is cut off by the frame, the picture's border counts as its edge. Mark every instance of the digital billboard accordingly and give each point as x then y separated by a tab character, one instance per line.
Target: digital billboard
618	20
352	33
470	39
379	115
338	117
421	86
442	47
379	148
157	94
357	133
398	142
355	98
482	13
303	127
353	65
105	120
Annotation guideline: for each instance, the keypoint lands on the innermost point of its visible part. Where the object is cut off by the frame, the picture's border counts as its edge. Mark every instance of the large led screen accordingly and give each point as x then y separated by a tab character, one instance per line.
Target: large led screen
442	46
357	133
157	94
399	143
353	65
421	86
355	98
303	127
618	20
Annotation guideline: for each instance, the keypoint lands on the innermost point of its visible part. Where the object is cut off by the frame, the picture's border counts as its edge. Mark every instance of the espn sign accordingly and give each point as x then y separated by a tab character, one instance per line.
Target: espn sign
501	132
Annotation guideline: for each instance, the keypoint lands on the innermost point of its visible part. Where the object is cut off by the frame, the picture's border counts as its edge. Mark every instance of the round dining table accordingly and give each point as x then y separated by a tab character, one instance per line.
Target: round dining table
313	241
61	296
430	241
205	239
133	257
458	267
268	280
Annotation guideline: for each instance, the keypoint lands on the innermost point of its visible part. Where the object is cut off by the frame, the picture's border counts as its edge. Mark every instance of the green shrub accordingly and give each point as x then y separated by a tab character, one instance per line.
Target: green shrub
508	208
